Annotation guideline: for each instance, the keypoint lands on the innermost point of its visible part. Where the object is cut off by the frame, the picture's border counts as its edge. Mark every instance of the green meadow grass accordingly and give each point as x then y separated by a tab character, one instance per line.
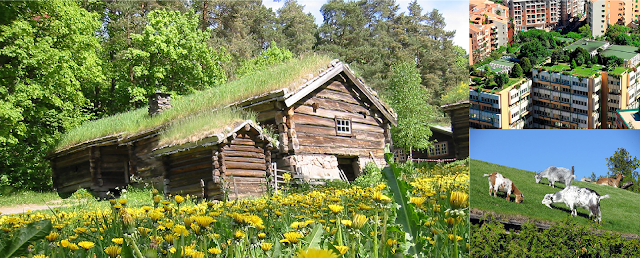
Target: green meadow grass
286	75
619	213
27	197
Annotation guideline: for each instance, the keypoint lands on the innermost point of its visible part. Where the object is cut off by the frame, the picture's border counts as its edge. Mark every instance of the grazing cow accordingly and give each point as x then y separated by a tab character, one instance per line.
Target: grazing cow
574	196
610	181
556	174
497	182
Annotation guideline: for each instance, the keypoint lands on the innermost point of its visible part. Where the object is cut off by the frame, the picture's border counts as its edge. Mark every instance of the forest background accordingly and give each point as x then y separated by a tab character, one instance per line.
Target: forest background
66	62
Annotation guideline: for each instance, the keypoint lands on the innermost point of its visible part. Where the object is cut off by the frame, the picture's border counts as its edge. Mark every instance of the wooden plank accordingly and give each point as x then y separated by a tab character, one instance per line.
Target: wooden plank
245	165
331	131
241	148
312	86
321	121
267	115
337	141
340	96
331	114
244	173
337	86
245	159
191	167
72	159
184	161
243	141
343	151
338	105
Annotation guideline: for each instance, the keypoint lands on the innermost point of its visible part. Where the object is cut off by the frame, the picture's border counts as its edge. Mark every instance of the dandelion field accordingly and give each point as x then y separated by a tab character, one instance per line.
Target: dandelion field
416	212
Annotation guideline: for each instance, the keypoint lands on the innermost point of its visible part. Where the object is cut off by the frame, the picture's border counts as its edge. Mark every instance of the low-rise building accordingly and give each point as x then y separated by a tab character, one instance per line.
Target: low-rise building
628	119
488	28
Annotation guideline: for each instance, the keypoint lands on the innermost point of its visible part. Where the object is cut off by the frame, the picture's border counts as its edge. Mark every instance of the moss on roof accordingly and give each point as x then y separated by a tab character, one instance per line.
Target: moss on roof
190	110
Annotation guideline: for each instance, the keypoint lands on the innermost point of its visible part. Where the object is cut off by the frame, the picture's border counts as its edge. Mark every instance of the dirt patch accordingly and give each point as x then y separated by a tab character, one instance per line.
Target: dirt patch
31	207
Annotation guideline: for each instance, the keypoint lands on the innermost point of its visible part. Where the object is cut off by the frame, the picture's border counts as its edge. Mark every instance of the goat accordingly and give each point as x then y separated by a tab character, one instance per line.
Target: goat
556	174
573	196
610	181
497	182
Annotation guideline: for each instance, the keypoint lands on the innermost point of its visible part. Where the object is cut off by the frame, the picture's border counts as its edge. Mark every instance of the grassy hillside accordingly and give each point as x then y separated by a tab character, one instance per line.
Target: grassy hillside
619	213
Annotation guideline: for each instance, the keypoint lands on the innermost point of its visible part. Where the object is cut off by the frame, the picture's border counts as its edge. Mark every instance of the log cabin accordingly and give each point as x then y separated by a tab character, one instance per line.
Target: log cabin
328	125
230	164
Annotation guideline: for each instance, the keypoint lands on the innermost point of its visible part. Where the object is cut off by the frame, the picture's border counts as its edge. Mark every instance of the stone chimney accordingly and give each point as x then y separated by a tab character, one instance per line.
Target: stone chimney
159	102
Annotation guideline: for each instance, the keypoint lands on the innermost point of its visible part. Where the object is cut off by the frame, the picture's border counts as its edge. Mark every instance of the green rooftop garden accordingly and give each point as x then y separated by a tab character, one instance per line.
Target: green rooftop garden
618	71
565	68
587	45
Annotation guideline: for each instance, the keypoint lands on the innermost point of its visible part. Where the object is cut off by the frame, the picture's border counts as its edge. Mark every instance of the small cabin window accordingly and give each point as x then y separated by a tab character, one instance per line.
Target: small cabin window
343	126
439	149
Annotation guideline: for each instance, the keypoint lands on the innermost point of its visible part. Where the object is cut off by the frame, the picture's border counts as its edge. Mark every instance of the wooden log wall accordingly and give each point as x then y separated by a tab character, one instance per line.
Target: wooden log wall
143	164
188	171
245	163
315	125
113	168
71	172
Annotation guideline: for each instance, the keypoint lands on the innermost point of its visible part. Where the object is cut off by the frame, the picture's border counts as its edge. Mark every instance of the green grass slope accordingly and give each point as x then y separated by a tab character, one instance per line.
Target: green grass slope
619	213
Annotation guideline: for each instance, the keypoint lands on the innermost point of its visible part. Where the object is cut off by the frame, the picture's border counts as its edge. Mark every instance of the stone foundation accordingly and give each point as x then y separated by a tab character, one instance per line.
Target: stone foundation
320	166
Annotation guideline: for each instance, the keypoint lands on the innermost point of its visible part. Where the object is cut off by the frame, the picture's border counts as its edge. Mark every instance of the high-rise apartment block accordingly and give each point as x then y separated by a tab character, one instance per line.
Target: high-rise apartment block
534	14
602	13
488	28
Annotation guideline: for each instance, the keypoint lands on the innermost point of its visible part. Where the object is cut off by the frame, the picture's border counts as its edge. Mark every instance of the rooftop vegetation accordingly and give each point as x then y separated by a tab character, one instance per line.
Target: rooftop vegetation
188	112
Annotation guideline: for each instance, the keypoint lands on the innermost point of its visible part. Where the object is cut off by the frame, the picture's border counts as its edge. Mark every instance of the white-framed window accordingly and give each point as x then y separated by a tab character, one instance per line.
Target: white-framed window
439	149
343	126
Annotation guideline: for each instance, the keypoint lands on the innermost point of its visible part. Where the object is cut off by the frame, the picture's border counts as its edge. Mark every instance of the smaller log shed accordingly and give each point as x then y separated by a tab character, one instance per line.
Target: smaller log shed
232	164
100	165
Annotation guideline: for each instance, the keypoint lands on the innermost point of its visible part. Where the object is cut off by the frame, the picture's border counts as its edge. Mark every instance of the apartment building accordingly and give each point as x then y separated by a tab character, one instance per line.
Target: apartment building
621	11
507	108
488	28
534	14
570	10
620	89
566	100
596	17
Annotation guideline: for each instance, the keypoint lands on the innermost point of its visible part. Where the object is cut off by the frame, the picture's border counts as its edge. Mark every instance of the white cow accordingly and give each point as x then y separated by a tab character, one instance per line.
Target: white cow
556	174
574	196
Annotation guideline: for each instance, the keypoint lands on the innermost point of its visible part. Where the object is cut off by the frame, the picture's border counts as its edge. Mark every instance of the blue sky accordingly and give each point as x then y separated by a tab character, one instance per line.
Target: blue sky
535	150
455	12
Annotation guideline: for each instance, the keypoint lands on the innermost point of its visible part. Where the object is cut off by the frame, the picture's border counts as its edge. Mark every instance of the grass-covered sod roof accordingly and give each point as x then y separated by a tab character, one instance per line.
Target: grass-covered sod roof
200	112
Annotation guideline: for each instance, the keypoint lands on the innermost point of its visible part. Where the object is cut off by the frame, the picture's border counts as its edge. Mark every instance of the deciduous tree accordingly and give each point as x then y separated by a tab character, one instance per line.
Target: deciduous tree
622	162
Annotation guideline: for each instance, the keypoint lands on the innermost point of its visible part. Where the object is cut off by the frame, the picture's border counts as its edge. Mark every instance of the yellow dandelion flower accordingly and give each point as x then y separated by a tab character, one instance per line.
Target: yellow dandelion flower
450	221
172	250
157	199
239	234
342	249
197	254
336	208
459	199
291	237
204	221
418	201
316	253
359	220
262	235
346	222
73	247
379	197
179	199
391	242
454	238
86	245
52	236
123	201
180	230
214	250
40	256
266	246
286	177
65	243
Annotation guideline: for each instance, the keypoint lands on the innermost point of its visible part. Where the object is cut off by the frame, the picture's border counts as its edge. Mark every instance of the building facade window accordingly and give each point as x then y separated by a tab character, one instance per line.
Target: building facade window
343	126
439	149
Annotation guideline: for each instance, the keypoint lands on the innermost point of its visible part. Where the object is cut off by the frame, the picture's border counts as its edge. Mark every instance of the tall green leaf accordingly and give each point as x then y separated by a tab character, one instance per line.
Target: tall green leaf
17	246
407	217
313	239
